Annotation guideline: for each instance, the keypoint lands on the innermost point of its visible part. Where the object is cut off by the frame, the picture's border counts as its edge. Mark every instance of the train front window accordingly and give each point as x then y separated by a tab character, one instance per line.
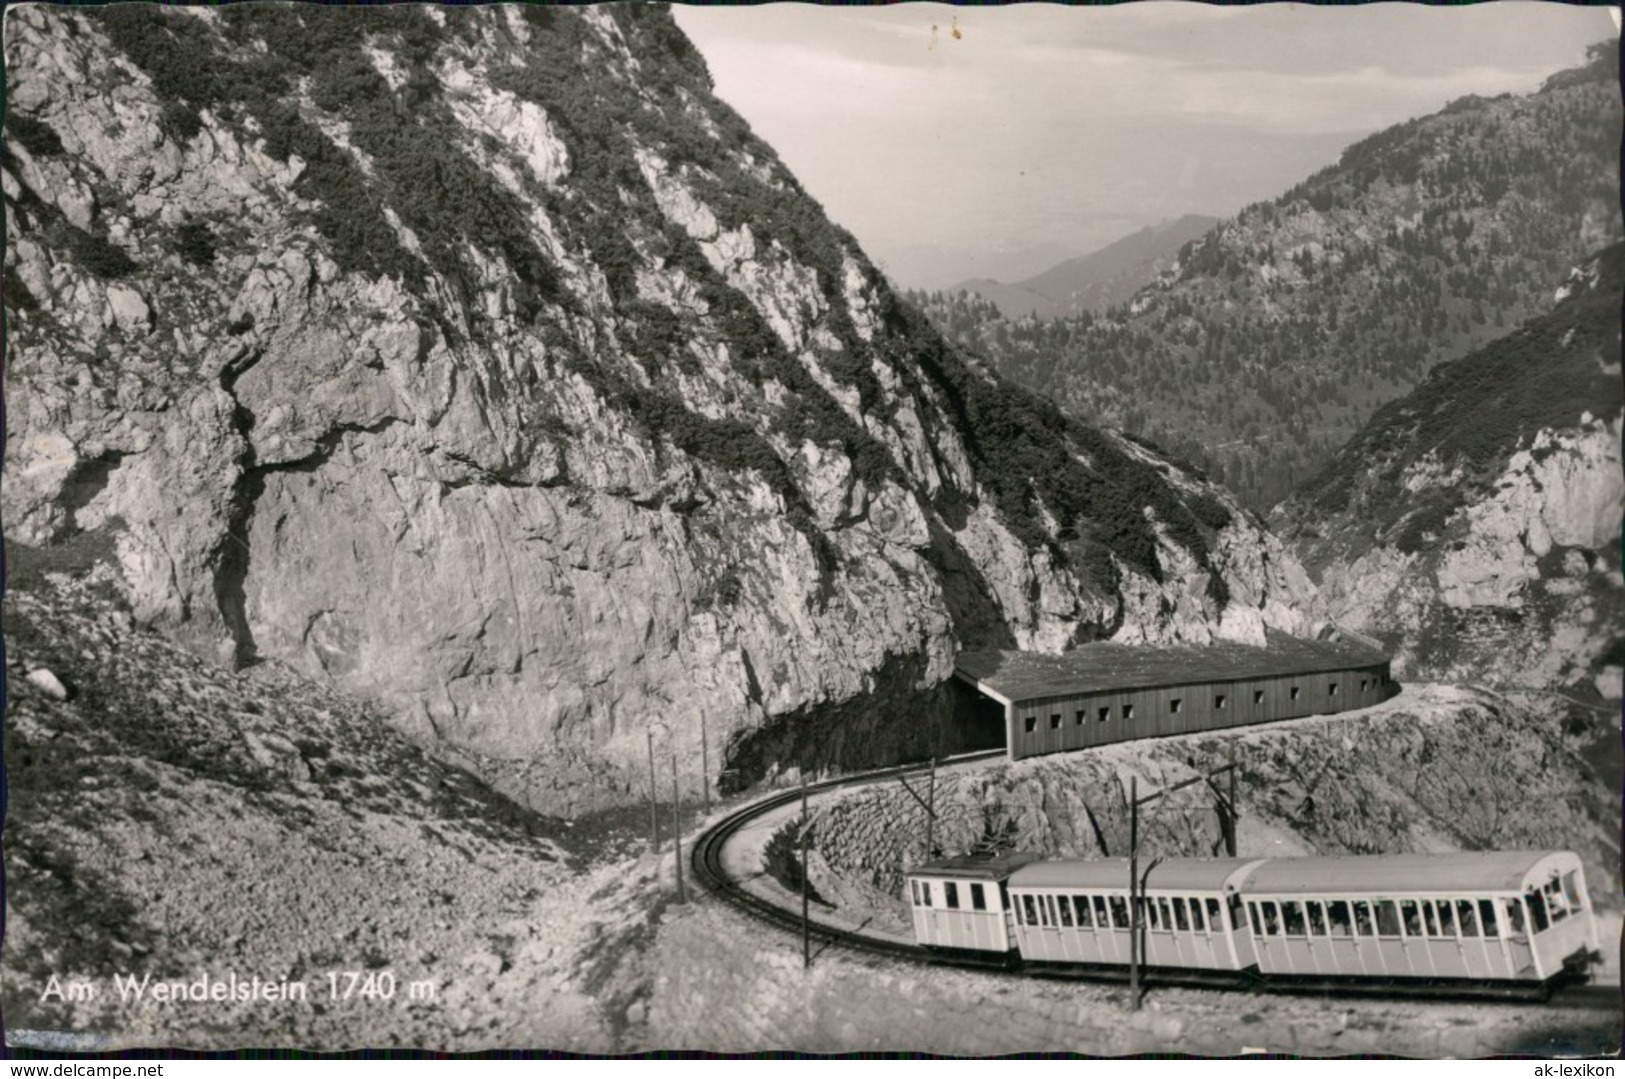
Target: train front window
1317	918
978	898
1339	918
1571	890
1080	904
1387	919
1029	909
1466	917
1537	911
1554	901
950	892
1364	924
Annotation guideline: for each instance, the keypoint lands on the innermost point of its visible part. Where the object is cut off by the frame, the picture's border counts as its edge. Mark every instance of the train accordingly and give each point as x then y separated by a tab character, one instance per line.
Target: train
1513	920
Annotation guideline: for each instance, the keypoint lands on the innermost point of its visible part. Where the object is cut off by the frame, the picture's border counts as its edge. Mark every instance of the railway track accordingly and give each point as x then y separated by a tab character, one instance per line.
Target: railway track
707	863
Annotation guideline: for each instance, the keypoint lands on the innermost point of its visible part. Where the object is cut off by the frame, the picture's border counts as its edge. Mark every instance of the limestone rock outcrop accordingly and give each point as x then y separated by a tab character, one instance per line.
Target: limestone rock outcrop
484	364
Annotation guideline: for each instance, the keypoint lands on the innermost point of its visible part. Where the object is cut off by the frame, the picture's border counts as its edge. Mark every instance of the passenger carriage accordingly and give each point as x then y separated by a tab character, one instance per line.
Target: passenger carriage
1078	913
962	903
1502	916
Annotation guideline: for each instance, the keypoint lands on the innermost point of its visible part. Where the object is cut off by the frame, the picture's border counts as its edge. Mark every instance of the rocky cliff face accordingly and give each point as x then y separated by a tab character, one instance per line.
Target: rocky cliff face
1475	524
484	364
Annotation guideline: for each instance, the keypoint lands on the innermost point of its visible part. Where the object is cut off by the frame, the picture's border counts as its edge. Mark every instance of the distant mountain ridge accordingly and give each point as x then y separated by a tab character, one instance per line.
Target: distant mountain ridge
1284	328
1095	281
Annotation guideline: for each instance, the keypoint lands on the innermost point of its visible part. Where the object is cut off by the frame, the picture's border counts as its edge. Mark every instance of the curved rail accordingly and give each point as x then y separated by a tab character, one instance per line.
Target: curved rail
706	860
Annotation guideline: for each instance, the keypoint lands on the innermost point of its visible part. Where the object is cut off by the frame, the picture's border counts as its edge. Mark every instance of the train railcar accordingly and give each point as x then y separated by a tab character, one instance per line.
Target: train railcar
1501	916
1078	912
963	903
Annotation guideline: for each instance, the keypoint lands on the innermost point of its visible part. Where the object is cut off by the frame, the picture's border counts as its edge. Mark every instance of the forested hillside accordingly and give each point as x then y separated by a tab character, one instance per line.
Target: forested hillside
1284	328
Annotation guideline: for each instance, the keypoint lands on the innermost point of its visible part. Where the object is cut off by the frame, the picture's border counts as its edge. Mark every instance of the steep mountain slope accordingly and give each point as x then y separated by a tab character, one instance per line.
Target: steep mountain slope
1475	523
484	363
1285	327
1095	281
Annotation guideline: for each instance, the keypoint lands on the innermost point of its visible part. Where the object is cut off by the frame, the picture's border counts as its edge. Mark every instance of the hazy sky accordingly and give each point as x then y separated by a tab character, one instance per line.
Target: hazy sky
1041	132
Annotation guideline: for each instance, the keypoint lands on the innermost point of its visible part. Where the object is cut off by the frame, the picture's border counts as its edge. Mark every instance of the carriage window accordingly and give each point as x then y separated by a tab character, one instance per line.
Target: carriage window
1362	685
1295	692
1128	711
1167	914
1214	922
1101	921
1064	910
1486	918
914	891
1181	920
1447	919
1272	920
1430	917
1331	689
1105	713
1197	922
1537	911
1119	912
1079	719
1218	702
1317	918
1055	721
1364	924
1151	914
978	899
951	891
1410	918
1339	918
1173	705
1387	919
1030	724
1028	909
1258	696
1292	918
1082	904
1467	918
1046	909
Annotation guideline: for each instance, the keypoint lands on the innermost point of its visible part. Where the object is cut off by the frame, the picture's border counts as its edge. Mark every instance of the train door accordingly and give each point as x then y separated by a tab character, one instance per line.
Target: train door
1480	949
1334	919
1449	951
1521	959
1390	952
1206	938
